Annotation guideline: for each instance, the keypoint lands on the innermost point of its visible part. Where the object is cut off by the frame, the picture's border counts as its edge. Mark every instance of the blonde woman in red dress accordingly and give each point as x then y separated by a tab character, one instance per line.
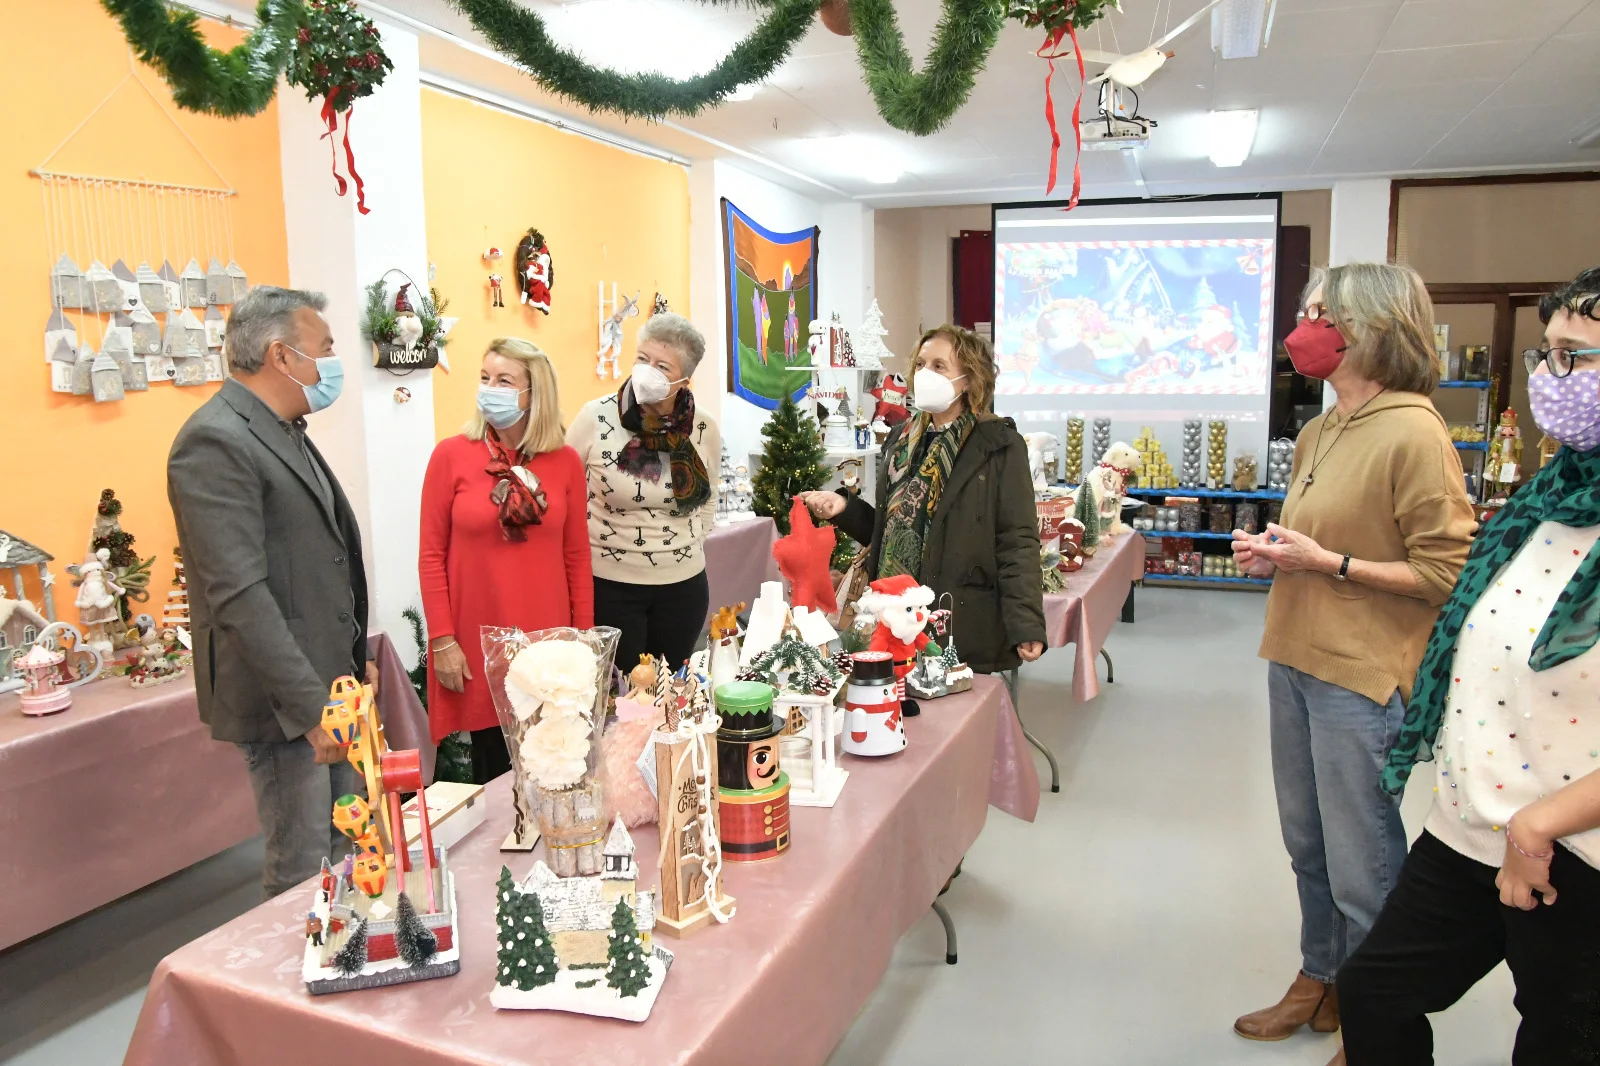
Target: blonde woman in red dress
504	540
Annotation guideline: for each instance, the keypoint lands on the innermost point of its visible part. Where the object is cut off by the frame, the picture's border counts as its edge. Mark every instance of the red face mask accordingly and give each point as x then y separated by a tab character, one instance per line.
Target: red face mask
1315	348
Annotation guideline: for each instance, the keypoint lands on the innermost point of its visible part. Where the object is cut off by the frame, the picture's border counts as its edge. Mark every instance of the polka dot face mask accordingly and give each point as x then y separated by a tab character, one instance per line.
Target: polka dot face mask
1568	408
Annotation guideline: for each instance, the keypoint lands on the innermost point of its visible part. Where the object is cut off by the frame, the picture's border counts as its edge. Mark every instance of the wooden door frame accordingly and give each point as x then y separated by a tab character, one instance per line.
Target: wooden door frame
1505	299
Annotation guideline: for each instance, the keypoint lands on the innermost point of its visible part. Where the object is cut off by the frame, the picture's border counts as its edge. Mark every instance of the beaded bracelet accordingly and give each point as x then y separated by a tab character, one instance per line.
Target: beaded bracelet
1540	856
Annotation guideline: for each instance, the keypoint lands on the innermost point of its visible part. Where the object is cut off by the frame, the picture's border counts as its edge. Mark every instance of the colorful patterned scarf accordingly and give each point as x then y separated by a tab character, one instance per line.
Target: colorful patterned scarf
917	469
652	435
516	491
1567	491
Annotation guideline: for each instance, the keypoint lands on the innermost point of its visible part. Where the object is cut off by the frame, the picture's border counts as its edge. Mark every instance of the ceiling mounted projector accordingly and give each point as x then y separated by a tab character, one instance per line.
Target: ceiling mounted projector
1118	126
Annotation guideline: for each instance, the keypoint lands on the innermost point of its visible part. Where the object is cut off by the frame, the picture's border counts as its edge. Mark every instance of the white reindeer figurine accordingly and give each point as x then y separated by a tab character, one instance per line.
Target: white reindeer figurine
611	330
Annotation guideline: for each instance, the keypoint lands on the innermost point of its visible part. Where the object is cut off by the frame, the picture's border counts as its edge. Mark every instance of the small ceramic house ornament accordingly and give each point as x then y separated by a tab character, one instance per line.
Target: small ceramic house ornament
239	284
146	333
61	364
219	287
106	376
193	281
58	328
215	327
170	282
129	281
82	382
66	284
152	293
104	290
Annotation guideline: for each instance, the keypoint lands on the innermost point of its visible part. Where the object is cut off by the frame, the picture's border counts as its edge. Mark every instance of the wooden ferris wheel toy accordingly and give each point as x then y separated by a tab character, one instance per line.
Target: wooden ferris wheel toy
365	928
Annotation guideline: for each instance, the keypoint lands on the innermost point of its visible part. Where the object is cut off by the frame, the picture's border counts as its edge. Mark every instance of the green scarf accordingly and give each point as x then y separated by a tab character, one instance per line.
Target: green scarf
1567	491
917	469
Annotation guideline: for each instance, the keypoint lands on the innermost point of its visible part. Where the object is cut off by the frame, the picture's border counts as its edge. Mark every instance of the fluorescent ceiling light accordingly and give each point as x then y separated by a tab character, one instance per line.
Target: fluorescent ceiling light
864	158
1240	27
1231	135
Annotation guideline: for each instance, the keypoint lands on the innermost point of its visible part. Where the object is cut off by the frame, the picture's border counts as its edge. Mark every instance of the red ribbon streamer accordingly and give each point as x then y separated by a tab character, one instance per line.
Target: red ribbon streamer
1050	51
330	119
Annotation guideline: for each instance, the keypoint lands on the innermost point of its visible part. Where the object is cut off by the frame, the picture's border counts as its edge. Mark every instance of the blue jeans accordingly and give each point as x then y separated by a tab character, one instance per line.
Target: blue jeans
1344	835
294	800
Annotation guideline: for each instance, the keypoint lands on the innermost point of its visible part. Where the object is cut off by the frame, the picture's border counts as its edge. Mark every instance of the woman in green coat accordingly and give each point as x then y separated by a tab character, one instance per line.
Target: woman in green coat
954	505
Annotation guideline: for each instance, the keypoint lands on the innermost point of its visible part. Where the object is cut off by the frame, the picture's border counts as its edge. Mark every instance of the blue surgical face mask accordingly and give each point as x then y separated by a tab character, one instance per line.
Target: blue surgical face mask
501	405
330	380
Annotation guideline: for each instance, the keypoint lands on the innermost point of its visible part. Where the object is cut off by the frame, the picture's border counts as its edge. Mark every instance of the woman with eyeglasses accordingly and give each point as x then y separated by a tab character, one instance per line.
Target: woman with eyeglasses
1374	530
1504	705
503	540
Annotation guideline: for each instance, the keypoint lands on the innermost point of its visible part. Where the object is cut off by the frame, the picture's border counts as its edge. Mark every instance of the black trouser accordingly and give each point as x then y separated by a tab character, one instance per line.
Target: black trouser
664	620
1443	928
490	756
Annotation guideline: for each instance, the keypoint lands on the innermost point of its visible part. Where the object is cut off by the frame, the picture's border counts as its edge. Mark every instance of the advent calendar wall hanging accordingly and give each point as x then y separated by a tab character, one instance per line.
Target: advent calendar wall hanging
143	319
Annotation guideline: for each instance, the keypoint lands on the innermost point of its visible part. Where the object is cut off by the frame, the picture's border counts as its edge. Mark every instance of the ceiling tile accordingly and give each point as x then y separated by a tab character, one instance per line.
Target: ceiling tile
1451	63
1359	31
1432	23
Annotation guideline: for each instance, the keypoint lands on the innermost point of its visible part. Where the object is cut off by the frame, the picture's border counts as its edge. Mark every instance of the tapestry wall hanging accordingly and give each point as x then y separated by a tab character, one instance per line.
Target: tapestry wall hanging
772	299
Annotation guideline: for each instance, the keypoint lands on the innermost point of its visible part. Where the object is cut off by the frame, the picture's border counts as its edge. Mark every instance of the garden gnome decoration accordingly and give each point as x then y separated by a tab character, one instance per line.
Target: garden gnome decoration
902	609
408	327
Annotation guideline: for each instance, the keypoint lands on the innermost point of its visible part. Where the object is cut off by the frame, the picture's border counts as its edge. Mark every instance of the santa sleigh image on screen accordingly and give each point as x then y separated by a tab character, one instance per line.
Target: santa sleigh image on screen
1135	317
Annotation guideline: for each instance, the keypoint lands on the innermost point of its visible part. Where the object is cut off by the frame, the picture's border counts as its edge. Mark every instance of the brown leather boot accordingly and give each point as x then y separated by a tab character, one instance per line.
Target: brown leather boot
1308	1000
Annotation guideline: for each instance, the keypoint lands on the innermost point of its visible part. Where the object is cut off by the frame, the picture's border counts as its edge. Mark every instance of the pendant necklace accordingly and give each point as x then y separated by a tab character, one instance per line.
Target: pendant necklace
1317	460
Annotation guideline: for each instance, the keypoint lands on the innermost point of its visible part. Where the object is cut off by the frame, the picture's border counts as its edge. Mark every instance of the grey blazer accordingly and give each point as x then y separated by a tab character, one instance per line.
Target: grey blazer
277	591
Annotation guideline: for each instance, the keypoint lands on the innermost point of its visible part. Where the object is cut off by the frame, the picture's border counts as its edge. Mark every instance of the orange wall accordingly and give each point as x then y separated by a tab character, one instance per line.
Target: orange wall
63	57
607	214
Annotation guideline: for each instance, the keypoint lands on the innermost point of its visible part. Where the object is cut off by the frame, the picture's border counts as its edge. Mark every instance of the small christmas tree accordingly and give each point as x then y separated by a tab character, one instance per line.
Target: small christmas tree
353	956
949	657
415	942
176	611
629	971
131	573
526	957
807	670
871	352
792	461
1087	511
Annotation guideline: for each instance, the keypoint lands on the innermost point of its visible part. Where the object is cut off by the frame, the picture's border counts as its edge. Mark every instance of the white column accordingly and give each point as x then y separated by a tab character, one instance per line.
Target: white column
1359	224
378	448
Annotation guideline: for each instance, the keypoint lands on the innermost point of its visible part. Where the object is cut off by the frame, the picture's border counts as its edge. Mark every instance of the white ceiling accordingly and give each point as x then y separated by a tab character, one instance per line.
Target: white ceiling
1345	88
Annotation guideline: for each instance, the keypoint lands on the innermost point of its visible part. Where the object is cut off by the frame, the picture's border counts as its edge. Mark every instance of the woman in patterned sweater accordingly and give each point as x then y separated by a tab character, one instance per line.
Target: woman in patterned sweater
648	454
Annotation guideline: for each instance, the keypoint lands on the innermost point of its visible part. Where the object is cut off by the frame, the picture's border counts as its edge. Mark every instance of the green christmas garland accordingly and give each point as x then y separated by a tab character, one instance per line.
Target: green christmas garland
521	35
921	103
237	82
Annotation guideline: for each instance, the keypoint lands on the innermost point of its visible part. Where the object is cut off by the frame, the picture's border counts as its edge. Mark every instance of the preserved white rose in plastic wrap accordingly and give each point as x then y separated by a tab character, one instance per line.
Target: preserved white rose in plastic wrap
550	692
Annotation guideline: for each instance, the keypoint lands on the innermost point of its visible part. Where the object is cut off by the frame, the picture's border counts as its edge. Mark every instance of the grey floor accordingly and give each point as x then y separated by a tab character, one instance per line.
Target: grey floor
1148	905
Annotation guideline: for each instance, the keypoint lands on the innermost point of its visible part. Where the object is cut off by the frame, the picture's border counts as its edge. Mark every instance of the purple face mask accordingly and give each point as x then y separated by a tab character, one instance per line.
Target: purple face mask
1568	408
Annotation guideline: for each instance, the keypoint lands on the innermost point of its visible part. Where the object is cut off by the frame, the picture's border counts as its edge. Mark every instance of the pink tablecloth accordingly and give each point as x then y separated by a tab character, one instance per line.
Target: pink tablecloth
126	787
813	934
739	559
1083	613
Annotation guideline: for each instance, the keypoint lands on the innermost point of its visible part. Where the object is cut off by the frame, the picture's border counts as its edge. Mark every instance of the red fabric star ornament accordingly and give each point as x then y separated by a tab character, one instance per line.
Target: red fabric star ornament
803	558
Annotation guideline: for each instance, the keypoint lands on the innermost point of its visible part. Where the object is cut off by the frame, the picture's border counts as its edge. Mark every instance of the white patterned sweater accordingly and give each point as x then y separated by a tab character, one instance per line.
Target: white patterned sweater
1511	735
636	532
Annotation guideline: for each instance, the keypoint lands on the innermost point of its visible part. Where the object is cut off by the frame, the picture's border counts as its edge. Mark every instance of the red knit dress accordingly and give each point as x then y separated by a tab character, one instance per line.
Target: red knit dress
473	576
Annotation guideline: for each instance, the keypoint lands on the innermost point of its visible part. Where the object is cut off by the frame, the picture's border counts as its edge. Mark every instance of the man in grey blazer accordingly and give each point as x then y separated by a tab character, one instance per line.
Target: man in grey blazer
277	593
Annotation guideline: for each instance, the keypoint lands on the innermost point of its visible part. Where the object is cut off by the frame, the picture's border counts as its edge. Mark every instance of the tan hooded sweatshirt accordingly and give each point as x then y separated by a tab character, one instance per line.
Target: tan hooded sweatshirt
1387	487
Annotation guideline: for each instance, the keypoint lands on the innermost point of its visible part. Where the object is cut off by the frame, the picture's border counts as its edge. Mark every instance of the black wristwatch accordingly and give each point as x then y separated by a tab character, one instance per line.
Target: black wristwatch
1344	569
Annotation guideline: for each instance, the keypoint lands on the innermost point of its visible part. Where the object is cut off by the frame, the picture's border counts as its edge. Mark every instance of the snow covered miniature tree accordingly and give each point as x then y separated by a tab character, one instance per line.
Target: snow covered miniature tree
629	971
871	352
1087	510
526	958
414	941
807	670
353	956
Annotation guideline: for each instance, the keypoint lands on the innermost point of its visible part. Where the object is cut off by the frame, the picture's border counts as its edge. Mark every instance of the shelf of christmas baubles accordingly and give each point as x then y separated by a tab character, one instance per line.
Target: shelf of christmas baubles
1232	494
1191	579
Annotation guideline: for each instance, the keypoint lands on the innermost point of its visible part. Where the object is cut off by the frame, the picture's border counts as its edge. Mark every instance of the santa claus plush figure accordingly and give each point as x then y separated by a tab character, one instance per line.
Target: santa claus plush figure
902	609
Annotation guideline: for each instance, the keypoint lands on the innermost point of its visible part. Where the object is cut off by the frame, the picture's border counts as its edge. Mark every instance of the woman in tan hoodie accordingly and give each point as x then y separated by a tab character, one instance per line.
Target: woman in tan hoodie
1374	532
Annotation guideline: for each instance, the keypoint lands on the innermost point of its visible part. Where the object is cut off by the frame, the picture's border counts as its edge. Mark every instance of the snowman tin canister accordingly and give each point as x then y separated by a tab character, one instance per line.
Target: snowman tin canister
872	707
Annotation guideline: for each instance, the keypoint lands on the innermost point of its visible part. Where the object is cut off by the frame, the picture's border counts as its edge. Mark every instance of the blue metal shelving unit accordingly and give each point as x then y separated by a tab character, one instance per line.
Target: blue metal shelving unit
1197	536
1464	384
1472	445
1232	494
1185	579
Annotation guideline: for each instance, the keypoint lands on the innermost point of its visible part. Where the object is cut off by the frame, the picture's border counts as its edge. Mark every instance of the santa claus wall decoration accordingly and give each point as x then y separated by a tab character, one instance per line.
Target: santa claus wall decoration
536	274
902	609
